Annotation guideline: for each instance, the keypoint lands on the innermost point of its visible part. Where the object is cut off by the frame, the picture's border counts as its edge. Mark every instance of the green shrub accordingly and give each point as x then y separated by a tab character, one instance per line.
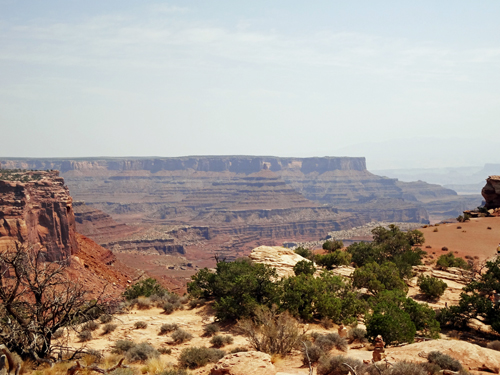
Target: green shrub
304	267
392	322
141	352
122	346
376	278
303	252
210	329
144	288
432	287
90	326
332	245
333	365
108	328
84	336
336	258
238	287
449	260
357	335
194	357
167	328
179	336
106	318
219	341
444	361
140	325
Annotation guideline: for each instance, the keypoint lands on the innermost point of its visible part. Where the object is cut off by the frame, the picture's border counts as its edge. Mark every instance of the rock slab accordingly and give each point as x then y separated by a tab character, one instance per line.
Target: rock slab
245	363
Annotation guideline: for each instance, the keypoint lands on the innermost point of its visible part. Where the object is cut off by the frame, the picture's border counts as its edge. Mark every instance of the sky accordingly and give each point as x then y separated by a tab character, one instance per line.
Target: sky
404	83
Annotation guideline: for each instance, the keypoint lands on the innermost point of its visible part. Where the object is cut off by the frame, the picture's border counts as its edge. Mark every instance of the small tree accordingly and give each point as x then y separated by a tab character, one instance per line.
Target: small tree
332	245
432	287
36	299
304	267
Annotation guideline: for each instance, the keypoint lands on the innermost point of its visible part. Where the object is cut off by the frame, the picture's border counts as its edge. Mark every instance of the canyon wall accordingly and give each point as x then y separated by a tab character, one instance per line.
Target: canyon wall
36	210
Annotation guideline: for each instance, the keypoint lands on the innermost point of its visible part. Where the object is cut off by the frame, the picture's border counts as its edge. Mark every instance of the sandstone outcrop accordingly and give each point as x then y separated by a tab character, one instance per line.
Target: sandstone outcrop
245	363
472	357
36	209
282	259
491	192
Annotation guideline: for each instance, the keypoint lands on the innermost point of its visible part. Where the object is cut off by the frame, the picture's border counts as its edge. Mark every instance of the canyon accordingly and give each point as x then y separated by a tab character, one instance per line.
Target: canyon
194	208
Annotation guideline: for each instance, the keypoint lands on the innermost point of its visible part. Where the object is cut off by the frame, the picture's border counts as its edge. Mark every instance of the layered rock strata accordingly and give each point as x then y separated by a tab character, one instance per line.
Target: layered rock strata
36	210
491	192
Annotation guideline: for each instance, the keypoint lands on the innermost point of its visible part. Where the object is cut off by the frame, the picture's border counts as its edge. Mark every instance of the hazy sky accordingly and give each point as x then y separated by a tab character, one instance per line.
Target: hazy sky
284	78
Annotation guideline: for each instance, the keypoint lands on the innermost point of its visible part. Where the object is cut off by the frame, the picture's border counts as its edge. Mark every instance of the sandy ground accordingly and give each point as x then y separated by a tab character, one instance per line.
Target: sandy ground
472	238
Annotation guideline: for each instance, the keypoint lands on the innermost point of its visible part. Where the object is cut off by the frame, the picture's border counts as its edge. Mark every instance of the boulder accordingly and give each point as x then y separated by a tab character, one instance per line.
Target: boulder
491	192
472	357
278	257
245	363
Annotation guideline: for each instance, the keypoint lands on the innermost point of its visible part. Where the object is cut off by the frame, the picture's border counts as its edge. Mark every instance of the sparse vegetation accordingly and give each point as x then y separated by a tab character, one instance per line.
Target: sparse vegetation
334	365
105	318
167	328
84	336
122	346
194	357
140	324
141	352
210	329
90	326
219	341
357	335
108	328
179	336
444	361
270	332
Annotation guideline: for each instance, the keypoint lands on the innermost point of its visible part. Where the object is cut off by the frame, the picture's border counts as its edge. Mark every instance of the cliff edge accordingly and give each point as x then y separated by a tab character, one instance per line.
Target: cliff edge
36	209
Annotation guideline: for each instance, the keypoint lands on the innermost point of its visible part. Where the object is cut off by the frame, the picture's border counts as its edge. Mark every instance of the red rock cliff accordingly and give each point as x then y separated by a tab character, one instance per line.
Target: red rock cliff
36	209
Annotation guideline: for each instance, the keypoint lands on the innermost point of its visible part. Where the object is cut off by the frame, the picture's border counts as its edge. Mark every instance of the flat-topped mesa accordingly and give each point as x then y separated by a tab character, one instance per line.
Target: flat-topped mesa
36	210
491	192
235	164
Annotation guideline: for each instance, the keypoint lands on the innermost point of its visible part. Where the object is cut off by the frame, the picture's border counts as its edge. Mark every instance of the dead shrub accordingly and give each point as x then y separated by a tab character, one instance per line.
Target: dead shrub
106	318
141	352
210	329
436	230
144	303
270	332
444	361
219	341
334	365
140	324
108	328
357	335
194	357
444	248
167	328
179	336
312	354
84	336
122	346
90	326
